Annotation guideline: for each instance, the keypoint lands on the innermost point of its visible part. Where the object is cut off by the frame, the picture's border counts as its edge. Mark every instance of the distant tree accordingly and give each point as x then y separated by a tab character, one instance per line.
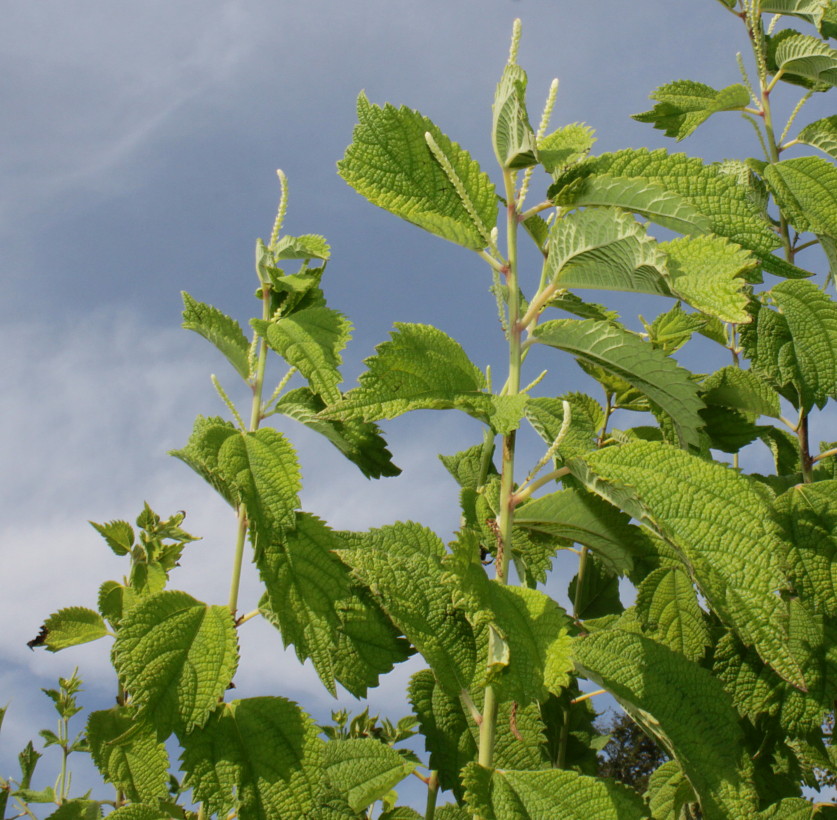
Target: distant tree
630	756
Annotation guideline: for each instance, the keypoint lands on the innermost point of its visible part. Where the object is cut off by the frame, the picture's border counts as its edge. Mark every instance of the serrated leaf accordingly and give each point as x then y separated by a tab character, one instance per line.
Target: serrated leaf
668	791
684	104
681	705
821	134
668	608
115	600
176	656
260	757
311	340
721	526
70	627
792	808
625	355
307	246
597	594
257	469
796	348
219	329
810	10
672	329
806	58
138	811
127	754
364	769
565	146
707	188
77	809
322	612
466	467
360	441
511	133
728	430
27	759
741	389
585	519
807	514
804	188
546	416
574	304
119	535
604	249
707	272
524	795
828	25
390	164
401	566
421	367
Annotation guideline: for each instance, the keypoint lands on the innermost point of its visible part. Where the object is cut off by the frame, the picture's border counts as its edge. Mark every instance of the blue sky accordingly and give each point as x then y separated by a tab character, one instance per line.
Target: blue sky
139	148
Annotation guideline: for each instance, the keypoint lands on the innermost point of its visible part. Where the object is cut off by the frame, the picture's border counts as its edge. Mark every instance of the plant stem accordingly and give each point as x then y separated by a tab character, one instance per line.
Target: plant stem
804	451
432	794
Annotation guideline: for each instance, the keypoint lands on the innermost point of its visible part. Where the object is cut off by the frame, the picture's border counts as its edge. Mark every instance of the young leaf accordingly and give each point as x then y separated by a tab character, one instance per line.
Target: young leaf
423	368
364	769
311	341
139	811
127	754
672	329
804	59
708	189
585	519
512	135
401	566
668	791
682	706
77	809
72	626
360	441
260	757
216	327
390	163
119	535
708	272
546	416
741	389
176	656
625	355
805	190
668	608
307	246
821	134
604	249
565	147
318	608
525	795
684	104
720	524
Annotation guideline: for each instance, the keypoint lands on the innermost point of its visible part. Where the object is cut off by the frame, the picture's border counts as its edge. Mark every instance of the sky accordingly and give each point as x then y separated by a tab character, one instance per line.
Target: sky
139	150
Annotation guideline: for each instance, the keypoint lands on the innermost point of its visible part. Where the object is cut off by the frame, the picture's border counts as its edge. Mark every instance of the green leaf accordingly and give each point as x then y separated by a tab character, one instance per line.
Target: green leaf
792	808
807	514
565	146
668	791
706	188
672	329
625	355
467	466
451	812
307	246
260	757
740	389
668	608
138	811
524	795
401	566
390	164
127	754
728	430
119	535
722	527
364	769
805	191
360	441
708	272
311	340
684	105
638	195
810	10
796	348
511	133
604	249
176	656
598	593
574	304
585	519
423	368
72	626
256	469
821	134
77	809
546	416
681	705
115	600
321	611
804	58
216	327
46	795
27	760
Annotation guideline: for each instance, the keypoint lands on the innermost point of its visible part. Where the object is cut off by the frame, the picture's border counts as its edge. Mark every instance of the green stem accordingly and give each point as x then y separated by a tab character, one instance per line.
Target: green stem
432	794
804	449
